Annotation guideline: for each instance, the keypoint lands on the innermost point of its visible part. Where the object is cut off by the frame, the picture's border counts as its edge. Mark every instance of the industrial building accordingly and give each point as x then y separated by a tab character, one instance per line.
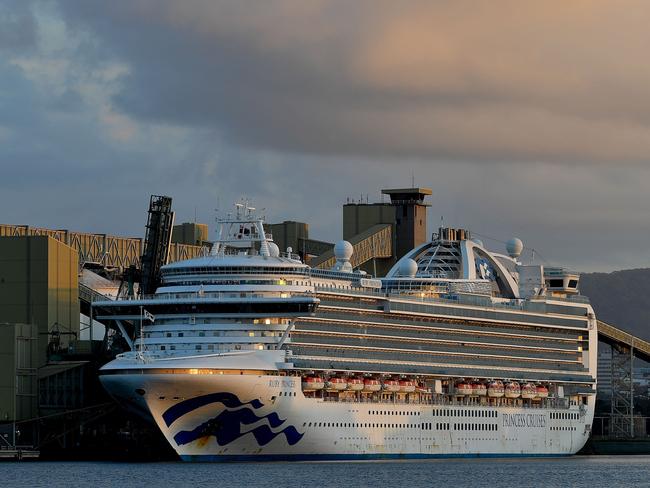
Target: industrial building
380	232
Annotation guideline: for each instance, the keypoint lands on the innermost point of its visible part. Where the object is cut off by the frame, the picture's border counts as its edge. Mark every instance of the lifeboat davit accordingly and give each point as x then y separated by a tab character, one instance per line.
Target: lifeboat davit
355	384
406	386
371	385
542	391
391	385
513	390
336	383
312	383
528	391
463	389
495	389
479	389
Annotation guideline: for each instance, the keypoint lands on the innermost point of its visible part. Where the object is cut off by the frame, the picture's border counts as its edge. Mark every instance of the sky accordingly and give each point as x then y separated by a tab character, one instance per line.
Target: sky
527	119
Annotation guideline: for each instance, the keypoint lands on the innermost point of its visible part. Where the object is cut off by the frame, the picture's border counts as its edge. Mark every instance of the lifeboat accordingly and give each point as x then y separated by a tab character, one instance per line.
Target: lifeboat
542	391
406	386
513	390
528	391
336	383
312	383
391	385
371	385
479	389
463	389
495	389
355	384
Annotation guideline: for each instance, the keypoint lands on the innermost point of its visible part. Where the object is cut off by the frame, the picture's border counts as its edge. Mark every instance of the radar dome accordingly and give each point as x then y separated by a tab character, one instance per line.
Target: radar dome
514	247
343	251
408	267
274	250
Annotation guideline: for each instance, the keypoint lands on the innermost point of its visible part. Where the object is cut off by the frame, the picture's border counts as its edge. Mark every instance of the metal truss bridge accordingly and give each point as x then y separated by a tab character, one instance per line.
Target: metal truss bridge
102	249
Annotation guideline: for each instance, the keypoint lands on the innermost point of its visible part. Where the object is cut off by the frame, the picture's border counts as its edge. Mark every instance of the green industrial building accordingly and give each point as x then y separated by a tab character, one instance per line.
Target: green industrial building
39	314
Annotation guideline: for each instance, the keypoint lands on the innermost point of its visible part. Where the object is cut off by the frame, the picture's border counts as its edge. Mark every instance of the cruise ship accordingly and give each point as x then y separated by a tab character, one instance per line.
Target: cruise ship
250	354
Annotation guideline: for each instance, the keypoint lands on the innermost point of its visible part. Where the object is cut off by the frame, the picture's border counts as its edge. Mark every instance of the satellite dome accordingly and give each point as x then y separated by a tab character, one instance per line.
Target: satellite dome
408	267
514	247
478	242
343	251
274	250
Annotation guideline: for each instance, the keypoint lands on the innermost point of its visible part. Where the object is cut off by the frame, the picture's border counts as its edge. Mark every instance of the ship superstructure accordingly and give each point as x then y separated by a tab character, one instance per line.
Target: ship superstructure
457	351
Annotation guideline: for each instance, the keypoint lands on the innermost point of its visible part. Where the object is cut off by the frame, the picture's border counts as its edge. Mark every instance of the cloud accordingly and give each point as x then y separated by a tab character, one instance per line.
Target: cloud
17	26
472	80
496	106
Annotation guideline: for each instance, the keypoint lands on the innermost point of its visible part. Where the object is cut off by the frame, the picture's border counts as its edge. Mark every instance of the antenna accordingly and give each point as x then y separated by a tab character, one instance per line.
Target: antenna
412	178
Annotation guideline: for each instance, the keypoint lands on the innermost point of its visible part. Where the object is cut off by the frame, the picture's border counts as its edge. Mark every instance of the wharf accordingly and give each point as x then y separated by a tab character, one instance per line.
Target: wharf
606	446
18	454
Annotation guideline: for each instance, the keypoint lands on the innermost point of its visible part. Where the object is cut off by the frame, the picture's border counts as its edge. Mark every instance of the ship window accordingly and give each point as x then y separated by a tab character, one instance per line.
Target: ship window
198	347
573	283
168	334
162	348
555	283
173	348
180	334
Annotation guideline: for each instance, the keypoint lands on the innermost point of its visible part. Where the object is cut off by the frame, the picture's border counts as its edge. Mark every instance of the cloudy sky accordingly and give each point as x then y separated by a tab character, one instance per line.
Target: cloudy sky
525	118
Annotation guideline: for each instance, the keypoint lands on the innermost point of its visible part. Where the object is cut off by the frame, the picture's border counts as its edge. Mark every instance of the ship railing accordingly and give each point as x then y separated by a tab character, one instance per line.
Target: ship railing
460	299
211	294
549	403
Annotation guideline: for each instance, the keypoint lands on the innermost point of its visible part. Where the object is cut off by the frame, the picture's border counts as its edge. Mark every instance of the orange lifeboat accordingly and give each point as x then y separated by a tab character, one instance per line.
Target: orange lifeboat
463	388
406	386
528	391
312	383
391	385
495	389
513	390
541	391
337	383
355	384
479	389
371	385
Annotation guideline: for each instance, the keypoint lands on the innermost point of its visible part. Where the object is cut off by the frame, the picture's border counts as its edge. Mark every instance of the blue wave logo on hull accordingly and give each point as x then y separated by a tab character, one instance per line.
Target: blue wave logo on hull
228	399
226	427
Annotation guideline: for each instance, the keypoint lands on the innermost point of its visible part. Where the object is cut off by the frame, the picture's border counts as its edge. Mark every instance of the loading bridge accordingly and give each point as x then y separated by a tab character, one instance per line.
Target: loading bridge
616	337
375	242
102	249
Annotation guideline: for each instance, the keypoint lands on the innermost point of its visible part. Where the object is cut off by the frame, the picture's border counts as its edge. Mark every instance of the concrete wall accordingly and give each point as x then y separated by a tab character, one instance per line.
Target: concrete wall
411	227
190	233
358	217
288	233
38	286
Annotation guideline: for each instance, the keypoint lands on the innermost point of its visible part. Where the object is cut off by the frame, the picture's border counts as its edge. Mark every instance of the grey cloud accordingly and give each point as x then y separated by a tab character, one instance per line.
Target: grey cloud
460	80
17	25
304	104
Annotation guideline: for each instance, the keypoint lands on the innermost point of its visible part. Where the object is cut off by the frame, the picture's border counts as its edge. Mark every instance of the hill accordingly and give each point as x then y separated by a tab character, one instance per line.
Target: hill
621	298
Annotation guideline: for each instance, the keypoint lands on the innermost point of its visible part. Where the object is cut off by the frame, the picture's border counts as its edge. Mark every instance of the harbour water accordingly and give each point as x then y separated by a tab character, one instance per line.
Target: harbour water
591	471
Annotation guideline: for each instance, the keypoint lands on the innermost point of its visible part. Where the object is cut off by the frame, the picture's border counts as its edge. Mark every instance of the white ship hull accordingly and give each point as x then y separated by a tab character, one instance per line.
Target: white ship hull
230	417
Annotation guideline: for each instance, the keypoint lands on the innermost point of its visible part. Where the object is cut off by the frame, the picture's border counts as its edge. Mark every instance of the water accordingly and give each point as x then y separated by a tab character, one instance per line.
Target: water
591	471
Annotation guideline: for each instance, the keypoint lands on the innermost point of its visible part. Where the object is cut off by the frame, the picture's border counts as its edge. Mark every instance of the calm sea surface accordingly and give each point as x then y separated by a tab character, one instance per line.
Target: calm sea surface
576	471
